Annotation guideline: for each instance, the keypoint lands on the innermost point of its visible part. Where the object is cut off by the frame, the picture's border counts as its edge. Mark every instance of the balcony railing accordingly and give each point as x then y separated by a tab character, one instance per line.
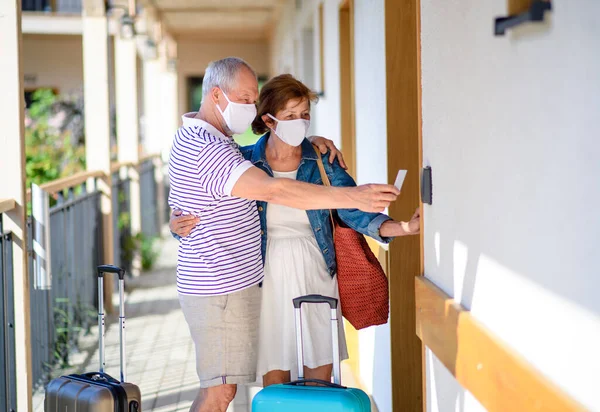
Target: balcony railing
56	6
8	392
60	314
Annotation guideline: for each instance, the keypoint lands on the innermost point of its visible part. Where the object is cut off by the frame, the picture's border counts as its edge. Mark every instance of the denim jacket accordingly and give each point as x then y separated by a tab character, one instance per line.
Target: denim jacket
308	171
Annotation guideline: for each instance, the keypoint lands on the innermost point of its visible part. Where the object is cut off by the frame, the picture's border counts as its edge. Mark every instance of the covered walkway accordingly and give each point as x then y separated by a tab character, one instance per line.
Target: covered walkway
491	294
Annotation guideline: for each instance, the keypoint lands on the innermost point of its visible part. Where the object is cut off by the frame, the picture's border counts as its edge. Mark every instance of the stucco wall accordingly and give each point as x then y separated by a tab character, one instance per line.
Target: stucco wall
510	128
53	61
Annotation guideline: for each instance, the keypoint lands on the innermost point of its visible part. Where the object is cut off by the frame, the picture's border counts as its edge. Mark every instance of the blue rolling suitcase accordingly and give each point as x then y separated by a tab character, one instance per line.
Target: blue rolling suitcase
297	396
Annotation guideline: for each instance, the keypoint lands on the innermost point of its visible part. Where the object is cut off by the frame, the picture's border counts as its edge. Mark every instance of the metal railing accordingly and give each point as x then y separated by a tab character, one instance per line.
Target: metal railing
60	314
68	6
56	6
149	195
8	390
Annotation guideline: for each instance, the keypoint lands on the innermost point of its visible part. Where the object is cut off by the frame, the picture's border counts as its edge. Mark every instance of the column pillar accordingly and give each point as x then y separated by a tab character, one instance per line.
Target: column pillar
128	131
169	119
153	107
97	119
12	186
170	98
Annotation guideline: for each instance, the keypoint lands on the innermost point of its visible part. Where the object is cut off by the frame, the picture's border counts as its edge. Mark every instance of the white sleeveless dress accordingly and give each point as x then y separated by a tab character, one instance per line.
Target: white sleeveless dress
294	266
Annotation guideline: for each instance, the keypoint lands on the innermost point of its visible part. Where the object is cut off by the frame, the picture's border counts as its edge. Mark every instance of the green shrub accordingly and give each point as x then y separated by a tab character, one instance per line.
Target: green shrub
145	245
70	319
149	252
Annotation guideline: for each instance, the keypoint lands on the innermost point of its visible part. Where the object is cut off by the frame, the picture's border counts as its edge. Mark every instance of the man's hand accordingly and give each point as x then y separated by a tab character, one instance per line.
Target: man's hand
182	225
374	197
324	145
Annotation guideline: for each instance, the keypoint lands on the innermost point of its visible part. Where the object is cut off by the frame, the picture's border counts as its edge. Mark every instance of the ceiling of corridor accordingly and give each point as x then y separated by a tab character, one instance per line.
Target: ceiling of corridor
219	19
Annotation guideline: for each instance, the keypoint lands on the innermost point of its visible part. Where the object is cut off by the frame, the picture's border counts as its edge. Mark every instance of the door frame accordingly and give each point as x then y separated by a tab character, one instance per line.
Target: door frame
404	151
347	108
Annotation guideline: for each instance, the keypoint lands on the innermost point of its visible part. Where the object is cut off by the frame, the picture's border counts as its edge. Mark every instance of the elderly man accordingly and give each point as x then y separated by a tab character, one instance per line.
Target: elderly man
219	265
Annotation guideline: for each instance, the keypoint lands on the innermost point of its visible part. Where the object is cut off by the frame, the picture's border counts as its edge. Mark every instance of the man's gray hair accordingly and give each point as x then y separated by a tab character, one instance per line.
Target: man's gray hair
222	73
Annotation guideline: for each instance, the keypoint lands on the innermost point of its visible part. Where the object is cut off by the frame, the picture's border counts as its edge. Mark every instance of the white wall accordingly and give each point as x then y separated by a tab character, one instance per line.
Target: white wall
53	61
510	128
371	161
370	91
326	120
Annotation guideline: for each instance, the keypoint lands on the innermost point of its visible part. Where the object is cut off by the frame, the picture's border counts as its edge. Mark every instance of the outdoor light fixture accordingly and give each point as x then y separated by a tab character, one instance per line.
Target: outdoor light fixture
126	22
127	29
150	49
172	64
535	14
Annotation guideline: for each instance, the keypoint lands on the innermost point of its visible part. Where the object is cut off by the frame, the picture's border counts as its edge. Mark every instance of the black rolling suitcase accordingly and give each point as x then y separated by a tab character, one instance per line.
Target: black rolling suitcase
97	391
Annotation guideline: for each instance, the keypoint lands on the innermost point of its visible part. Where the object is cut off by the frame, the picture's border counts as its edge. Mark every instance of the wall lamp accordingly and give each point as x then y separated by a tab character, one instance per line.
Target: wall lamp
127	28
126	22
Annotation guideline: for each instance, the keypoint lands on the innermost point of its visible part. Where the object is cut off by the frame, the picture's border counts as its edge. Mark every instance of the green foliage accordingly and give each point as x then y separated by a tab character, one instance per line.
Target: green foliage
149	252
247	138
49	149
145	245
69	320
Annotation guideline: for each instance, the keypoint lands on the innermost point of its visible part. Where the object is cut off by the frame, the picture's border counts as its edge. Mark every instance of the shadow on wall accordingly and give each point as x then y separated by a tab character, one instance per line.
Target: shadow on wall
450	397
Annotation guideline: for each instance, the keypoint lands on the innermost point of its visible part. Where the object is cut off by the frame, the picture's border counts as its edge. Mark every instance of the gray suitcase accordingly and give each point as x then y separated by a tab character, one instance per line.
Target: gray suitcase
97	391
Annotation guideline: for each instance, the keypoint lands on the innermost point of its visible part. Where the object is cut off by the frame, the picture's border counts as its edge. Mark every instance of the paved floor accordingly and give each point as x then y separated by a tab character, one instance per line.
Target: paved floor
159	348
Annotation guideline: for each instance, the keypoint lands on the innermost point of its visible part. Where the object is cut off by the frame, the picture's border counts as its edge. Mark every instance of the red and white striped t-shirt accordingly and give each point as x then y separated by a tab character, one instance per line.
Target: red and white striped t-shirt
222	254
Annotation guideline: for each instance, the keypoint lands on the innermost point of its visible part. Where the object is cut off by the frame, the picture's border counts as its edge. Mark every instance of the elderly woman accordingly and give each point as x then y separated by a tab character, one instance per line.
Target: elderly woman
297	245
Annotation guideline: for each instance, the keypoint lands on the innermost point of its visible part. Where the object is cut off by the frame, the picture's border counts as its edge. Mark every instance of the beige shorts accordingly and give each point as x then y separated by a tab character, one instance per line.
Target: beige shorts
225	333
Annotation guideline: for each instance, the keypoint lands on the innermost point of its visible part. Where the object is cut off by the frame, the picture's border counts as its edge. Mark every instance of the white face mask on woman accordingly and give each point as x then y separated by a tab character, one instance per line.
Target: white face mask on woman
238	116
291	132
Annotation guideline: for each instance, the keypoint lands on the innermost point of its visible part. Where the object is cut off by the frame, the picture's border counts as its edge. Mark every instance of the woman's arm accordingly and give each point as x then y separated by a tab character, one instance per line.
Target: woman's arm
392	228
376	225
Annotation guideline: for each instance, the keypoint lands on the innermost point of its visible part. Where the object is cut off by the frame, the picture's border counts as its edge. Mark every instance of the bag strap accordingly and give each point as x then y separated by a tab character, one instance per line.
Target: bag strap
324	177
325	180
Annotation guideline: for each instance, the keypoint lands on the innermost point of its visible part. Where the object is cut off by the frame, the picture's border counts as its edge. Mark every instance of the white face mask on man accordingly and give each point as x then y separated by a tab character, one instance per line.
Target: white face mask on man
238	116
291	132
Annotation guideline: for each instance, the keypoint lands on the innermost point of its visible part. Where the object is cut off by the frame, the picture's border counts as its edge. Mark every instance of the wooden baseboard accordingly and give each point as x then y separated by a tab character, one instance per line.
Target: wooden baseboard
495	374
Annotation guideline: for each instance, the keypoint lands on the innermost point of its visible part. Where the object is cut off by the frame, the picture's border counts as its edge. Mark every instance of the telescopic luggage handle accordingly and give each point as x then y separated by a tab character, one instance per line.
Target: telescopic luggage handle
102	269
333	304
